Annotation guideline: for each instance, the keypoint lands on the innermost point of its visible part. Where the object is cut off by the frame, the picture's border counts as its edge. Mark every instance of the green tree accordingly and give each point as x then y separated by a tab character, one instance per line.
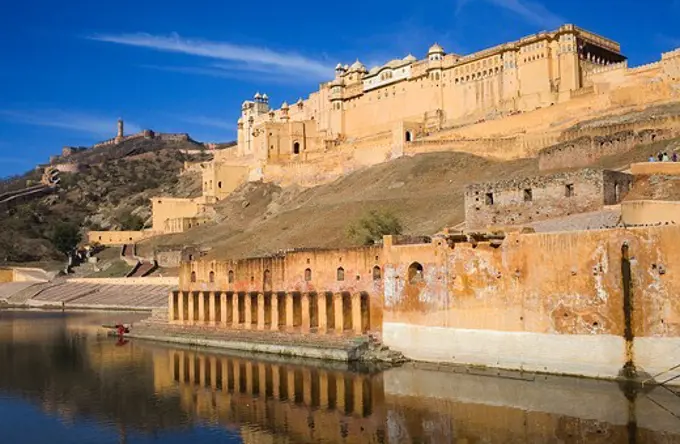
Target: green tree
373	226
130	222
65	237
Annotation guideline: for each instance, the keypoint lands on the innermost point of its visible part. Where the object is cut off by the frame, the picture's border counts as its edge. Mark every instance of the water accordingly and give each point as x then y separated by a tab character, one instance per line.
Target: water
61	381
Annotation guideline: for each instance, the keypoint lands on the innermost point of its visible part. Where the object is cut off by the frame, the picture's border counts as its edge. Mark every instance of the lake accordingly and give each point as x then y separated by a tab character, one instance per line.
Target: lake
62	381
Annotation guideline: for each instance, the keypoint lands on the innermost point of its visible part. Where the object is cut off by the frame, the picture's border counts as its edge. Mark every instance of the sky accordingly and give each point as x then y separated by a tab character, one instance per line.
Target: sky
70	69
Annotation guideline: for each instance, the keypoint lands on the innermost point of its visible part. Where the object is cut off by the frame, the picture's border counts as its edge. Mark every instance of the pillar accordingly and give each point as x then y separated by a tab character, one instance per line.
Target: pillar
358	406
212	308
290	374
249	313
307	387
223	309
262	370
322	315
323	389
337	307
182	375
356	313
181	300
171	307
249	378
201	370
237	376
192	297
306	323
275	311
234	310
260	311
276	381
213	373
340	391
192	369
201	307
289	310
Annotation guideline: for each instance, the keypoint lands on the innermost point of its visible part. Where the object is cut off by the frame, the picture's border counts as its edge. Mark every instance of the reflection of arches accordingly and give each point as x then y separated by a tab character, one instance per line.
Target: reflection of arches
193	276
415	273
267	280
341	274
231	276
296	148
308	274
376	273
211	277
408	136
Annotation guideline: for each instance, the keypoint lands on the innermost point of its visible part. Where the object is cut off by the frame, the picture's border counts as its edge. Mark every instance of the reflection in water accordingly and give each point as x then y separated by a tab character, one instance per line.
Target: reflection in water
85	387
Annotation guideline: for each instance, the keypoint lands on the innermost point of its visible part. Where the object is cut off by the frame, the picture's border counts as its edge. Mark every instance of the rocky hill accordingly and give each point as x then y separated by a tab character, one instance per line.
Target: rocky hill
112	193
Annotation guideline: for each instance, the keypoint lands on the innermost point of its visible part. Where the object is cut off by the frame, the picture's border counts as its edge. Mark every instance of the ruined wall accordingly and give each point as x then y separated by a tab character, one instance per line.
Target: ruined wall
549	302
118	237
650	212
182	224
519	201
585	150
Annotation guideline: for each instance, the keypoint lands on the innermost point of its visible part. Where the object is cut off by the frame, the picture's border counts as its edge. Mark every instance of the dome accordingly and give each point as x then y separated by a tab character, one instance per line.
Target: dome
257	96
284	105
358	66
436	49
338	67
410	58
337	82
265	97
346	67
299	102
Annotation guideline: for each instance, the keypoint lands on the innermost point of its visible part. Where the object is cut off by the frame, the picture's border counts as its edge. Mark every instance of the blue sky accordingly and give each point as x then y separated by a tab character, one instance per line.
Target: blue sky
69	69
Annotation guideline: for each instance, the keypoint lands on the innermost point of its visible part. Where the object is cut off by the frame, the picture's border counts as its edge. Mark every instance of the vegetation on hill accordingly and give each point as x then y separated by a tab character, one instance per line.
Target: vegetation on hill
114	194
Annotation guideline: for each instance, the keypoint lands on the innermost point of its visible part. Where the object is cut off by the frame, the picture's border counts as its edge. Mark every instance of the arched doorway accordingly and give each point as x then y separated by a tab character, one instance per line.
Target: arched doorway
296	148
408	136
211	277
193	276
376	273
267	281
415	273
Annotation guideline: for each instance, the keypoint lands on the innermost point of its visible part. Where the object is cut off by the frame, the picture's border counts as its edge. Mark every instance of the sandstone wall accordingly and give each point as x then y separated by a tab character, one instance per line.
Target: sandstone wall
650	212
651	168
549	302
118	237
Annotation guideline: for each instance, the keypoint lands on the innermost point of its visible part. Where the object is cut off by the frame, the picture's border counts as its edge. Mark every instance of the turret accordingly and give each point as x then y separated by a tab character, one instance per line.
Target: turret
119	135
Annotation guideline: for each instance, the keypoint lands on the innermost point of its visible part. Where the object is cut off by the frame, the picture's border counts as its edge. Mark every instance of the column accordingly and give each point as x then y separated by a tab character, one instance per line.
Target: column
307	387
322	315
323	389
306	322
340	391
192	368
192	297
234	310
201	307
260	311
181	300
289	310
356	313
358	395
201	370
181	367
275	311
290	374
237	376
337	307
249	378
212	308
171	307
262	369
223	308
249	313
213	373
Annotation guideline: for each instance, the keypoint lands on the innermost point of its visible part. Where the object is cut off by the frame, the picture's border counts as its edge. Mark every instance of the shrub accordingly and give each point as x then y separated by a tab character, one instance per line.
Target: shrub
65	237
373	226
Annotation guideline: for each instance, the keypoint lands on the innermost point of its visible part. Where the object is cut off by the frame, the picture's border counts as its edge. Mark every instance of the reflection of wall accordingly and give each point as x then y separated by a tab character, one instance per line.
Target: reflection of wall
6	275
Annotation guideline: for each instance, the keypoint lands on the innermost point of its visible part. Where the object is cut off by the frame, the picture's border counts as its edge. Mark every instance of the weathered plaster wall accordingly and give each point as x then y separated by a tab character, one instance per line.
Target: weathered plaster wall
550	302
118	237
651	168
650	212
512	202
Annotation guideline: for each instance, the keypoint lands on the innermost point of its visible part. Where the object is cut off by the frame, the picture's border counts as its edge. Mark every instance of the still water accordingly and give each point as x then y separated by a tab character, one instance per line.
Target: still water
63	382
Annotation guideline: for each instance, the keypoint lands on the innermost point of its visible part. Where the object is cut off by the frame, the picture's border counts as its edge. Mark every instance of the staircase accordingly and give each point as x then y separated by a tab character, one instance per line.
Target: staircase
142	269
376	351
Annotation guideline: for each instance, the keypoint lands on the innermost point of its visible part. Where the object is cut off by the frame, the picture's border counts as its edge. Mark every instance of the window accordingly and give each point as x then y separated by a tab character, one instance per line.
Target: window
211	277
408	136
219	184
193	276
528	195
308	274
415	273
376	273
489	198
569	190
296	148
341	274
231	276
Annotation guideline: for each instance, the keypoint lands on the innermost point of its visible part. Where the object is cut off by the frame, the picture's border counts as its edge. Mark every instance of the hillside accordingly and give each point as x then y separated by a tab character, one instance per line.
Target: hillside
110	195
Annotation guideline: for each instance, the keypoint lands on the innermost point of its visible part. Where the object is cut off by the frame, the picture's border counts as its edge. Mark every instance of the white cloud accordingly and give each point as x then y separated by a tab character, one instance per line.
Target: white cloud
74	121
233	72
247	58
210	122
532	12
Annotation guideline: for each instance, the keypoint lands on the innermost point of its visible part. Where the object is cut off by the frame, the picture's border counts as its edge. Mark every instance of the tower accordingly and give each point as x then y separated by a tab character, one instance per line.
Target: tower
119	136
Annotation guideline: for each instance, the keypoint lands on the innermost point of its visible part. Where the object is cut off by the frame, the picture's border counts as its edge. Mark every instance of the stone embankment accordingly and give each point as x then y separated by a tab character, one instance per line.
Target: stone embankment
107	294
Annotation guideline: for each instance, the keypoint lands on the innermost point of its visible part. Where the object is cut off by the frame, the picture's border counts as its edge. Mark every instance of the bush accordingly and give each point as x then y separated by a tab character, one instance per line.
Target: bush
371	228
130	222
65	237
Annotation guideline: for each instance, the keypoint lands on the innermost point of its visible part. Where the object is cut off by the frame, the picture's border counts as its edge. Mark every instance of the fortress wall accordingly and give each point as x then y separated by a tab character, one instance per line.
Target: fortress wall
650	212
118	237
586	150
651	168
549	302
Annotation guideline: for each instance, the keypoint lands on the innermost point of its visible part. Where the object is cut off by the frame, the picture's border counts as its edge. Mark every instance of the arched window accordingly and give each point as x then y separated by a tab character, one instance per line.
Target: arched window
211	277
193	276
376	273
296	148
231	276
341	274
219	184
308	274
415	273
408	136
267	280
